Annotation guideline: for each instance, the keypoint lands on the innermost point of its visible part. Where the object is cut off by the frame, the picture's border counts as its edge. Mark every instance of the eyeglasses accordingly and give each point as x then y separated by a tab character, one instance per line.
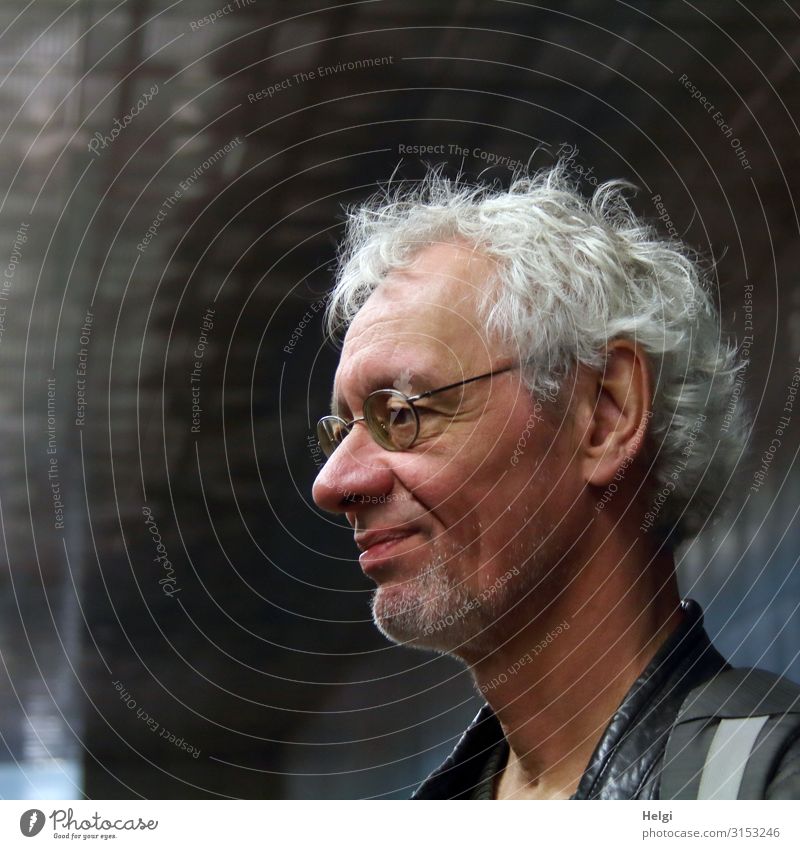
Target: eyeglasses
390	416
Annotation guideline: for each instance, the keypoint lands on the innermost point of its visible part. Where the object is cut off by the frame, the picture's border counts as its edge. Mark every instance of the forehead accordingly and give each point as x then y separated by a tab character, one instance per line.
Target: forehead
421	320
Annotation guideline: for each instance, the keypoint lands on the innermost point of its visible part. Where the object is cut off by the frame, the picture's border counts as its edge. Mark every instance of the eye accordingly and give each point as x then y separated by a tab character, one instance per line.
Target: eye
400	415
391	419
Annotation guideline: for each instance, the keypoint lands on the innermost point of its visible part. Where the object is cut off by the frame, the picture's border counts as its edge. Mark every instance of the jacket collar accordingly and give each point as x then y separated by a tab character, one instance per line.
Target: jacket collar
628	754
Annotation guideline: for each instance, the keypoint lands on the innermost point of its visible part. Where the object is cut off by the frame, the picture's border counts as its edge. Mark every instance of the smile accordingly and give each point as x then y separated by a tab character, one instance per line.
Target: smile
384	547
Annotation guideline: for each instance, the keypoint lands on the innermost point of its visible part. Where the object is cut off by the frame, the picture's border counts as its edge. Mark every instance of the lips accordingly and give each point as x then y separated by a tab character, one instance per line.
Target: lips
378	547
368	539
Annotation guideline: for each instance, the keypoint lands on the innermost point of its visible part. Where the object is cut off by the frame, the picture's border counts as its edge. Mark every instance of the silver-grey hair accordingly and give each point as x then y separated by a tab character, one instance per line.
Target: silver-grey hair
571	274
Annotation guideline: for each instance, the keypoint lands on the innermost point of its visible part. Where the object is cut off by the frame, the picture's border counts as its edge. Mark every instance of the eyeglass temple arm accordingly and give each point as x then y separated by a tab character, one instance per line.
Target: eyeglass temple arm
460	383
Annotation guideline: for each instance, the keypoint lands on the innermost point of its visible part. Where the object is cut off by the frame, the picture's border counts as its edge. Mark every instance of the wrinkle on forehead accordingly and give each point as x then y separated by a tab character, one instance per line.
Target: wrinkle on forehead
421	319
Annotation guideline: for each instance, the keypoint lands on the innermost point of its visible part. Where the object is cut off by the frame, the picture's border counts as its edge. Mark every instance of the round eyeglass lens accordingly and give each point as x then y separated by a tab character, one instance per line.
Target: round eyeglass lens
331	430
392	419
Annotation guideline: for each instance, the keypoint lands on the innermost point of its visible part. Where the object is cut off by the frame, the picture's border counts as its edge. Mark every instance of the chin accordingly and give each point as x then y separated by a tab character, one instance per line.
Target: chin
446	622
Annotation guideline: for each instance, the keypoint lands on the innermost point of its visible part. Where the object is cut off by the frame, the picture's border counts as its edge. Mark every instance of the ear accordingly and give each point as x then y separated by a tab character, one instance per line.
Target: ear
616	425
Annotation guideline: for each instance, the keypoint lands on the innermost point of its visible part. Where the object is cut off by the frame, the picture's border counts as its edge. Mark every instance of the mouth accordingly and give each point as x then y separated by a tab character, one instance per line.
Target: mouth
378	547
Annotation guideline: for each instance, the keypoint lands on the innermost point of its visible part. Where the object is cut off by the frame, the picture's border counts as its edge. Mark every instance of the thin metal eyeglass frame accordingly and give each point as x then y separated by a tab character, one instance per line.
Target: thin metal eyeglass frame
410	400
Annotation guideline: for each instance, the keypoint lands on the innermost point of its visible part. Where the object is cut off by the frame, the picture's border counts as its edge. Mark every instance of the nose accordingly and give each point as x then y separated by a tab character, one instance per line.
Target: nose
356	474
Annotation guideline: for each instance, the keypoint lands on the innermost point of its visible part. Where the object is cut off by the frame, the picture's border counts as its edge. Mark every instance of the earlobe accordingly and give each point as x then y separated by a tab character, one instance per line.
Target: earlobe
617	424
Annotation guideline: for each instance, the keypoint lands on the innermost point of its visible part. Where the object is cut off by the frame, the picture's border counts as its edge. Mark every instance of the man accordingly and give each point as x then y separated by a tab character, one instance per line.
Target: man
525	422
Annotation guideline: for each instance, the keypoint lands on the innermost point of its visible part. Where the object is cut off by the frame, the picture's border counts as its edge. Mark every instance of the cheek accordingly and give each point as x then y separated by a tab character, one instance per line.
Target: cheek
468	486
528	471
427	486
452	503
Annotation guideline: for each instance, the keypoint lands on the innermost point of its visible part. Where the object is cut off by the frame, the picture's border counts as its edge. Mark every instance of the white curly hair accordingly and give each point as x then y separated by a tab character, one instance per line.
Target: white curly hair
571	274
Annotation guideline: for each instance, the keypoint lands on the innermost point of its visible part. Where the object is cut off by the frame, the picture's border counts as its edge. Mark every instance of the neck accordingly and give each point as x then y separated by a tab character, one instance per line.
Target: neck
556	681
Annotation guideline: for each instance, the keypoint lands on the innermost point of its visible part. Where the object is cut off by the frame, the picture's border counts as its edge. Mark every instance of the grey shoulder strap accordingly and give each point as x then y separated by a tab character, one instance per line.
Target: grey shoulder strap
728	735
727	757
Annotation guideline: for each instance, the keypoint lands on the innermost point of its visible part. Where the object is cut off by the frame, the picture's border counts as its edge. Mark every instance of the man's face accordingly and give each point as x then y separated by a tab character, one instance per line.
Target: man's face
473	507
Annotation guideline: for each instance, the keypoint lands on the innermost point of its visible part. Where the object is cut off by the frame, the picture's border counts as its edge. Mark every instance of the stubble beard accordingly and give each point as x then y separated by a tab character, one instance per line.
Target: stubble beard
433	611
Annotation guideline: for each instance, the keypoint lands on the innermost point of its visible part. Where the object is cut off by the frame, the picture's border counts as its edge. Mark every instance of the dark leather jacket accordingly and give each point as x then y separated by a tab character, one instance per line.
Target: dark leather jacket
626	762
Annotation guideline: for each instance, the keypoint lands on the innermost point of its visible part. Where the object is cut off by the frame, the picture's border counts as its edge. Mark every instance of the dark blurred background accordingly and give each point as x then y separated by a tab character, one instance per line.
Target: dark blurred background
172	181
